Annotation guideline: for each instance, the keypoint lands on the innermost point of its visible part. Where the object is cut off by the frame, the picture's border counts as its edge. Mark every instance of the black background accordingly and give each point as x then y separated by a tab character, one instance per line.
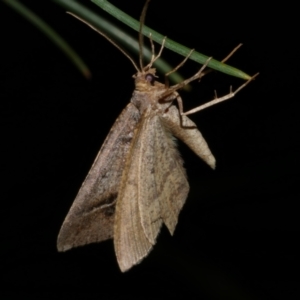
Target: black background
237	236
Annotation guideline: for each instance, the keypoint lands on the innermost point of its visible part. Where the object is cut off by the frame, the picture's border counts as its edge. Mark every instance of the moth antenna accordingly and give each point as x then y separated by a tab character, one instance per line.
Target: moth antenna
141	37
105	36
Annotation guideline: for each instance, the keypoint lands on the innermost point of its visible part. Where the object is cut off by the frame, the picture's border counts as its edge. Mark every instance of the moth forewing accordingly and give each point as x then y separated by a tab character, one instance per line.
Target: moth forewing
130	241
153	187
91	216
148	201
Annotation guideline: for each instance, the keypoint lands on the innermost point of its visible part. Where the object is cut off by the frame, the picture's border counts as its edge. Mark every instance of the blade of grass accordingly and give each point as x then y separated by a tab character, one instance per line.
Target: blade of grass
51	34
170	44
114	32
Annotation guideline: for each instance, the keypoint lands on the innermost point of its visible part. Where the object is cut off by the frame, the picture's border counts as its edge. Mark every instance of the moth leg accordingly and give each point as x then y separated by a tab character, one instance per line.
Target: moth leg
223	60
232	52
152	51
181	113
200	74
180	109
154	58
181	64
231	94
176	68
180	85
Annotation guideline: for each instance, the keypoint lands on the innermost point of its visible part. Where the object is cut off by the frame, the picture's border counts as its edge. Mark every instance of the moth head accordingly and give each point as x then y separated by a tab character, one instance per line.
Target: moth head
145	80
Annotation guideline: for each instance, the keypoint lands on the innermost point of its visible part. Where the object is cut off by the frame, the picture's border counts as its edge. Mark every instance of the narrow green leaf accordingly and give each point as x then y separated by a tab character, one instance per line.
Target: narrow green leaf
114	32
170	44
51	34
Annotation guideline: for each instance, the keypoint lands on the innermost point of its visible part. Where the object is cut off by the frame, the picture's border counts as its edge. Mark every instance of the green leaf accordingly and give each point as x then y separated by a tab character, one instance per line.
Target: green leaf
51	34
170	44
117	34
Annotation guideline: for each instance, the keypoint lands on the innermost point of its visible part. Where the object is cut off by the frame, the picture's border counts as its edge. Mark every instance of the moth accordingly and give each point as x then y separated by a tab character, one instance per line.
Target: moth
137	182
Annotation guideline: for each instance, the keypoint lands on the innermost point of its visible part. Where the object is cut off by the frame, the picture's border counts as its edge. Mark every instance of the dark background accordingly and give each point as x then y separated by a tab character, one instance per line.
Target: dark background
237	236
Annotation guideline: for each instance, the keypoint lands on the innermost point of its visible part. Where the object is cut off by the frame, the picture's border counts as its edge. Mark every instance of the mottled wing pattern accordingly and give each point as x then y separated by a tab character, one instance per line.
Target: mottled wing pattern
152	183
91	216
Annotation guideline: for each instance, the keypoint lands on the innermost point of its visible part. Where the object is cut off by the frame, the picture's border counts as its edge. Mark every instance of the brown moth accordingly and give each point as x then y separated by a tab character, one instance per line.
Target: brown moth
137	182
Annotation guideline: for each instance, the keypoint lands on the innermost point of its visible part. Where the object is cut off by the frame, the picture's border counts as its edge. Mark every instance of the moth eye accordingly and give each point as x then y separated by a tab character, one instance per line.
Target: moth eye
150	78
